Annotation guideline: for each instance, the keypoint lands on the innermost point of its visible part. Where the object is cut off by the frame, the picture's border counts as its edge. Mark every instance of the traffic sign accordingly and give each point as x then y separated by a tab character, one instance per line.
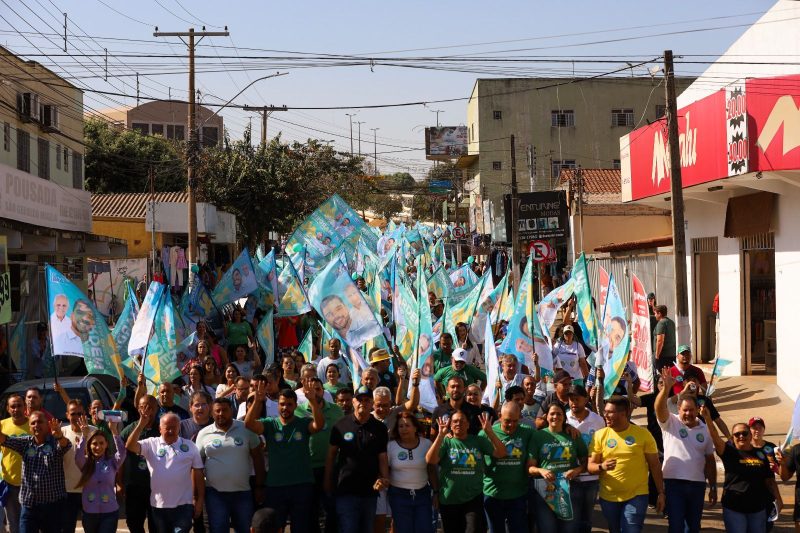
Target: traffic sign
541	251
458	232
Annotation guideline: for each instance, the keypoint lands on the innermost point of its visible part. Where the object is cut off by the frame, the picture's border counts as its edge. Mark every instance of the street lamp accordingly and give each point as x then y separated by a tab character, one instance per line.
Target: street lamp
351	115
375	146
359	122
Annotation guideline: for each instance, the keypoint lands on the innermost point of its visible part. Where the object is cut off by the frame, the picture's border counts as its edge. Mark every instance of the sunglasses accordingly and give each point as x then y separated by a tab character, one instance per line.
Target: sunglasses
741	434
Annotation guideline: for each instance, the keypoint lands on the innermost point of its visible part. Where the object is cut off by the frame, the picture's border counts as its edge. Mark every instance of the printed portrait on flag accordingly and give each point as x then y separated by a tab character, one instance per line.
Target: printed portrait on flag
237	282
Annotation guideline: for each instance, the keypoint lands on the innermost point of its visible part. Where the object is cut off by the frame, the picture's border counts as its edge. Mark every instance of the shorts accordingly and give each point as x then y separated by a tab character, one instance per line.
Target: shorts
382	508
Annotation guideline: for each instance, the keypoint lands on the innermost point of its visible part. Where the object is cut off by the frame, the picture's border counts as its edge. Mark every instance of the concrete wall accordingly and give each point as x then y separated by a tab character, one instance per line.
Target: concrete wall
787	287
599	230
133	231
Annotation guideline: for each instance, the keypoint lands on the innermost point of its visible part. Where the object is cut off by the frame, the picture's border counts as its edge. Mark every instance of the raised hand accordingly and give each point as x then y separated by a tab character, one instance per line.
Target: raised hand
415	376
261	391
55	428
444	424
667	378
486	422
83	424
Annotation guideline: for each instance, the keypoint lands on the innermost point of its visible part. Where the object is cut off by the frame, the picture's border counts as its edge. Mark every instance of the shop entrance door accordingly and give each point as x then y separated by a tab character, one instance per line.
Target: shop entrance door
706	287
758	256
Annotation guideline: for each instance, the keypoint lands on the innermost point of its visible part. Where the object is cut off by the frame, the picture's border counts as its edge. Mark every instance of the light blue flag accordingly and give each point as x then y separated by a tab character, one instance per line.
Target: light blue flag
463	281
552	302
18	346
267	275
143	325
719	366
616	339
260	252
587	318
440	284
293	300
124	326
337	300
265	333
492	365
423	348
237	282
88	335
160	364
307	346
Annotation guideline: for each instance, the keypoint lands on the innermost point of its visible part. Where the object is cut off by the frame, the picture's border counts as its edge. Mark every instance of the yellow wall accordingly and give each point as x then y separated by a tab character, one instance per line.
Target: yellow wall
133	231
600	230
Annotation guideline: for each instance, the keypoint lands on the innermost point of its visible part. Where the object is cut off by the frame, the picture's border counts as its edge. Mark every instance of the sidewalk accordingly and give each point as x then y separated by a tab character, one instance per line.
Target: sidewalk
738	399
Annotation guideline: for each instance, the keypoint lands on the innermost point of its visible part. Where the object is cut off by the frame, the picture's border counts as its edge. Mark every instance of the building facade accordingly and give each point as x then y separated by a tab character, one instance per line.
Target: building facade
169	119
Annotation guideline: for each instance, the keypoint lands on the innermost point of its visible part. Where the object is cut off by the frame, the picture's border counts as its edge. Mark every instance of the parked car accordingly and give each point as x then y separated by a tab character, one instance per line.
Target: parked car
83	388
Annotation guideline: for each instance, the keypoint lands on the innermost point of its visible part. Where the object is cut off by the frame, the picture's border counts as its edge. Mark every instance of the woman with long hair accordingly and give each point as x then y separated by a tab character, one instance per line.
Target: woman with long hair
98	464
213	376
204	333
246	364
411	480
474	357
237	331
197	375
229	386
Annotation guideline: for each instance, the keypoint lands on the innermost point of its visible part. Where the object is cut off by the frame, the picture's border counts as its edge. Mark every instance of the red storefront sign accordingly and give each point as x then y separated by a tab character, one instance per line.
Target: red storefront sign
751	127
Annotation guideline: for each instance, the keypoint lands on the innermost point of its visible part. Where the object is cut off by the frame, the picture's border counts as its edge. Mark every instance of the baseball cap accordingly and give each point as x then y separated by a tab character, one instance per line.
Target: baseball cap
569	328
561	375
684	348
363	390
378	356
756	420
459	354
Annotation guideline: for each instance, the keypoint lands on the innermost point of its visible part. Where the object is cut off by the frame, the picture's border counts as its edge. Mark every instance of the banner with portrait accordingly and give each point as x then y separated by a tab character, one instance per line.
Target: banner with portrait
641	345
237	282
613	354
423	348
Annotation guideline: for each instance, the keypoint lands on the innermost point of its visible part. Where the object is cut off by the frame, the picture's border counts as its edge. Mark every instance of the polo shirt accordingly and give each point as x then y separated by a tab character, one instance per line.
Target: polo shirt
289	452
629	447
227	456
685	449
359	447
170	467
11	465
320	441
42	469
469	373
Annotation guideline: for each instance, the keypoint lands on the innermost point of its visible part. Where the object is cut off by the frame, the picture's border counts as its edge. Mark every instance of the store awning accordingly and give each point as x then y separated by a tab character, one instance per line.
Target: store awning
750	214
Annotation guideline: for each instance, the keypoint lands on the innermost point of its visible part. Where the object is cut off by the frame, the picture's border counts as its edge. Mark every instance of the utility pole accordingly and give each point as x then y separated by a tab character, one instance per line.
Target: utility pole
437	111
153	262
375	146
515	251
351	115
191	146
265	112
359	122
683	333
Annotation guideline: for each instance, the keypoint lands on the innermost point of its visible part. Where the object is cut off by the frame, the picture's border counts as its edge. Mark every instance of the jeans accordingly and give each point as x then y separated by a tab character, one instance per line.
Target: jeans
627	516
356	513
137	509
294	502
173	519
467	517
583	495
736	522
546	519
224	507
100	522
71	510
43	517
684	504
13	508
411	510
324	501
502	513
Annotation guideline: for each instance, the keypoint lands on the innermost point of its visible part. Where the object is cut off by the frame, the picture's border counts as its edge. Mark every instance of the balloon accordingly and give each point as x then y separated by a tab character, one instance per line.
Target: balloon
297	247
195	268
470	260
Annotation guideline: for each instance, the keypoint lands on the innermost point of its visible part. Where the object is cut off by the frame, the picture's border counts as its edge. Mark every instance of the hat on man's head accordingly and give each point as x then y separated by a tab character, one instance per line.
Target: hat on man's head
363	390
756	420
459	354
684	348
379	355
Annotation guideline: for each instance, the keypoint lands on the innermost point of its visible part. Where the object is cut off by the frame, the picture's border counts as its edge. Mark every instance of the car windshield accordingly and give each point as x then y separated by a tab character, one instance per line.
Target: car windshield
53	402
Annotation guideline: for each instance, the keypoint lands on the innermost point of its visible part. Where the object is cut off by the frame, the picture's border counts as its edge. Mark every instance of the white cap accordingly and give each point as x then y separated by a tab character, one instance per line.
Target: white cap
459	354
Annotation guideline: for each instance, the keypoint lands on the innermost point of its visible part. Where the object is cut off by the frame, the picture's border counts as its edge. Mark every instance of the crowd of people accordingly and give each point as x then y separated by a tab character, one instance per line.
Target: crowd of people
235	444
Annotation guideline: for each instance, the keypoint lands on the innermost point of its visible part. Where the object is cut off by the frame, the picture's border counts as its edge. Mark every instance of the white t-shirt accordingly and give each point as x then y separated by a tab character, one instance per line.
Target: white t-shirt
587	427
344	371
170	469
568	356
685	449
272	409
301	396
72	474
407	468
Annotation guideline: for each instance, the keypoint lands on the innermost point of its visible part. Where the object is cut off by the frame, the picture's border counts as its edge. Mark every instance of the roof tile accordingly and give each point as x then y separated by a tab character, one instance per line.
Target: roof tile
130	205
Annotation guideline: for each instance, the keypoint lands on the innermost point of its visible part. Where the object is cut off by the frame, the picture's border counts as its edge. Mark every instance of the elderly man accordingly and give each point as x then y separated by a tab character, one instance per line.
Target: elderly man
509	377
459	367
59	321
11	467
136	477
176	473
42	494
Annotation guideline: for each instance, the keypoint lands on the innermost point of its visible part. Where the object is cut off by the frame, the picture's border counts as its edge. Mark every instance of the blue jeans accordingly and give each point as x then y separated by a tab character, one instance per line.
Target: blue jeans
100	522
583	495
44	517
736	522
293	502
546	519
411	510
71	510
506	512
224	507
173	519
627	516
356	513
684	504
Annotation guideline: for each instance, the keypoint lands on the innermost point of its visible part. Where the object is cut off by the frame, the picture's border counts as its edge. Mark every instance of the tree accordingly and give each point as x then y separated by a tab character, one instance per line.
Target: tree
119	160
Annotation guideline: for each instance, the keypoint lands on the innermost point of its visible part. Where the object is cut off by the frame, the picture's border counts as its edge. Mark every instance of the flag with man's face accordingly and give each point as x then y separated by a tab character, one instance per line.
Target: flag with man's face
237	282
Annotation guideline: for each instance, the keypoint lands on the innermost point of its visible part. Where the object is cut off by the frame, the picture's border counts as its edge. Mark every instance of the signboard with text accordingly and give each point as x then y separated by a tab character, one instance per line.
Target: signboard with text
542	215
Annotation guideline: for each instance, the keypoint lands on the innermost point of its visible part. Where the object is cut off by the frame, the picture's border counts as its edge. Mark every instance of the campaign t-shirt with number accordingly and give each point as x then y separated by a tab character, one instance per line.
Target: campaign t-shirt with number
461	468
507	478
629	477
685	449
587	427
557	452
289	455
745	474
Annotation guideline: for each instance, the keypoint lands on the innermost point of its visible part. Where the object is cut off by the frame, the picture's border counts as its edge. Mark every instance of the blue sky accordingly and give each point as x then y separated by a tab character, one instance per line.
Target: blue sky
359	27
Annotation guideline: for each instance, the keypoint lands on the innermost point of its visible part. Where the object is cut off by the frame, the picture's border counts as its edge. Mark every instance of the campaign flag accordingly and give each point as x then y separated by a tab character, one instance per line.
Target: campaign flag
237	282
18	345
492	364
124	326
406	320
587	318
338	300
267	276
265	333
464	311
186	349
552	302
556	495
716	372
616	339
641	349
439	283
291	293
463	280
143	325
505	309
307	346
423	348
160	363
88	335
260	252
603	280
357	365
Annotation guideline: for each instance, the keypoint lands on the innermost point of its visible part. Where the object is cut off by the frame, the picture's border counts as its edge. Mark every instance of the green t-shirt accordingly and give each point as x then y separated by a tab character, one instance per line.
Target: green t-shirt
320	441
289	453
461	467
333	389
238	333
666	327
507	478
440	359
469	373
557	452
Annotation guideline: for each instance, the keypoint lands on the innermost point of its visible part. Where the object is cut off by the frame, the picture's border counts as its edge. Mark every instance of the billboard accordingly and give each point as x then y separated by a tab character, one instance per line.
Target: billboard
542	215
446	142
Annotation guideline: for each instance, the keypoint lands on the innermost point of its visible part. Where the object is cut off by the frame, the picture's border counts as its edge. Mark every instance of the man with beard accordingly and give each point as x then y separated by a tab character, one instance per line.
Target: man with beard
456	401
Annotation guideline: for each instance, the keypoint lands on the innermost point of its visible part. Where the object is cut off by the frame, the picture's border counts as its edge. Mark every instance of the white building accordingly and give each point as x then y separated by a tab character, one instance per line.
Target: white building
740	159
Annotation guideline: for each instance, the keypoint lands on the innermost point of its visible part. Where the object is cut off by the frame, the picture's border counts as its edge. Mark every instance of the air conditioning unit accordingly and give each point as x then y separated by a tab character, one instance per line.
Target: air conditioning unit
28	106
49	119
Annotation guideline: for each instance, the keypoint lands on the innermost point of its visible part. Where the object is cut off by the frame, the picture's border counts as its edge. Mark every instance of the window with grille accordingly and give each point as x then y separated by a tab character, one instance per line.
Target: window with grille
562	118
622	117
157	129
497	165
43	169
77	171
23	151
58	156
6	136
559	164
498	115
66	159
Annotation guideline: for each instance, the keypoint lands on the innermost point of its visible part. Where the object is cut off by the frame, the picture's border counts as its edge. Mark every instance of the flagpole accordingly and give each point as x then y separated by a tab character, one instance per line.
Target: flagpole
50	335
500	300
